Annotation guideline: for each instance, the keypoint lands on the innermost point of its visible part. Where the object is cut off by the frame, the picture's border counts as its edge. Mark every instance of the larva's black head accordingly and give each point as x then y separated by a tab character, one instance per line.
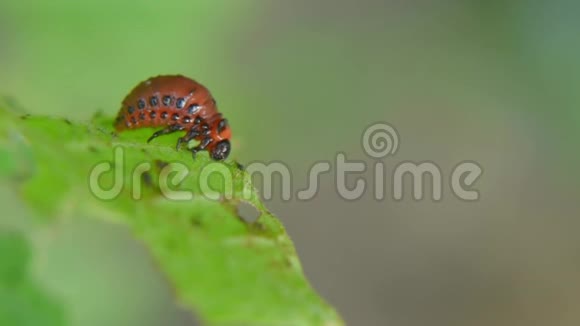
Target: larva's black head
221	150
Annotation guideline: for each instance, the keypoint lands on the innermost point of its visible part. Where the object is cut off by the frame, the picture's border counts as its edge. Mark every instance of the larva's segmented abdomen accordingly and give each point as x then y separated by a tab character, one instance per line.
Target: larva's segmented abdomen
177	103
165	100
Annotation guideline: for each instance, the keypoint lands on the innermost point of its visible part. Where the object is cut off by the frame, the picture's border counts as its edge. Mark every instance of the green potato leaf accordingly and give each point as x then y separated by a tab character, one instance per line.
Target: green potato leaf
225	269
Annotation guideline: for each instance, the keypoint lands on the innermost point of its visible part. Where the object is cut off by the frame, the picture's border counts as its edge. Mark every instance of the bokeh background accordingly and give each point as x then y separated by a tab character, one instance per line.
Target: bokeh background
494	82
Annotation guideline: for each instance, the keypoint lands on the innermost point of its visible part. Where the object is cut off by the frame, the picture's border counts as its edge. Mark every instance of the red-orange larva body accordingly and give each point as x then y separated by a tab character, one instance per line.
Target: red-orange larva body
177	103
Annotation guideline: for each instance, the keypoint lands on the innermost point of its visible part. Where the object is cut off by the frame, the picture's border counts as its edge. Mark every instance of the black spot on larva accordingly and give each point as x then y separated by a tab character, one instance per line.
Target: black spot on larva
24	117
153	114
142	116
164	115
204	127
67	121
167	100
180	103
153	101
187	119
133	120
193	109
141	104
239	165
222	125
93	149
197	120
175	117
130	110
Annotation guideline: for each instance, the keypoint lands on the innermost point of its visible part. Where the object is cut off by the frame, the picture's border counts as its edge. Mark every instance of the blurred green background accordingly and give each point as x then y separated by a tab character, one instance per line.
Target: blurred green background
495	82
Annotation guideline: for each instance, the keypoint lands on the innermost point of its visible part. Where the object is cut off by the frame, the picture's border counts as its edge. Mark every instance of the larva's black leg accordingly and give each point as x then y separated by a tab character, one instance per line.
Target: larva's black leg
203	145
168	130
205	130
179	141
193	133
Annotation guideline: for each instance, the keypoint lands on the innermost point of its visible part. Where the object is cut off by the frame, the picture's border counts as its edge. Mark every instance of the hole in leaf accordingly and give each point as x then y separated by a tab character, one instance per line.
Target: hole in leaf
248	212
